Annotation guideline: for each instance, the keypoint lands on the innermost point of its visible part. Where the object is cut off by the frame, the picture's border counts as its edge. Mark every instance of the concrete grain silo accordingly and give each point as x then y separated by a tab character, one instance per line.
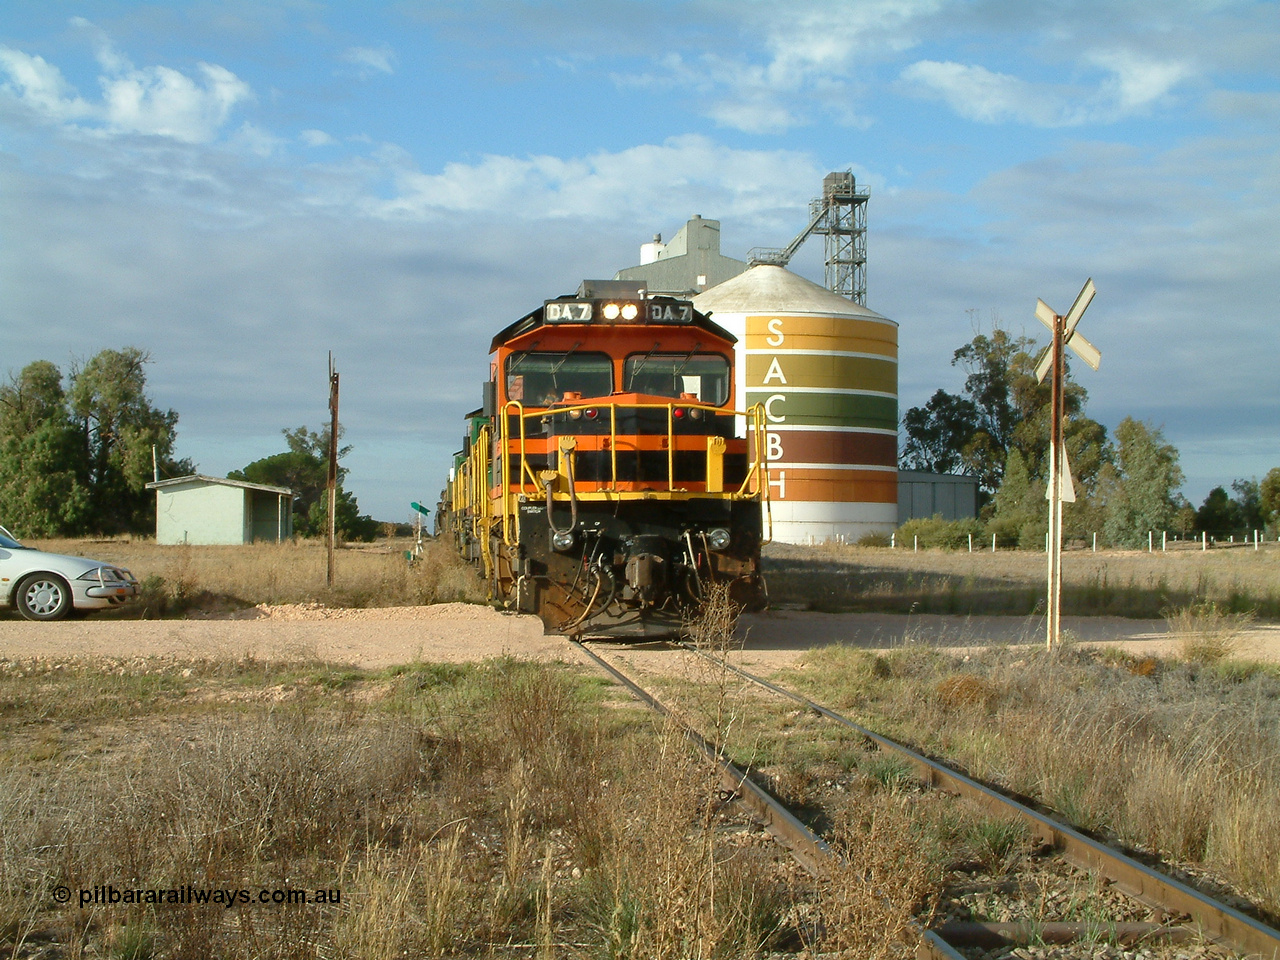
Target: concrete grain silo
826	370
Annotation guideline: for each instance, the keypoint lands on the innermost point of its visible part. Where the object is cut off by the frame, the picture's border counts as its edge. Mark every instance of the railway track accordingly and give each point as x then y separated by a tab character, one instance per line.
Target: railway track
1167	897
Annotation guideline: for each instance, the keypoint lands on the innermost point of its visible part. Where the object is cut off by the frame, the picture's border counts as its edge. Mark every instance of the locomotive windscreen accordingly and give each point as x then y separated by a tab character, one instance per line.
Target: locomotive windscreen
540	379
705	375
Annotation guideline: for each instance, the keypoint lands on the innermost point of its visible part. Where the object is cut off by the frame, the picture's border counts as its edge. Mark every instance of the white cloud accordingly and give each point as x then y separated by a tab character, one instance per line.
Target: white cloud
316	138
977	93
370	60
255	140
41	87
649	181
158	100
164	102
1134	84
1139	81
800	62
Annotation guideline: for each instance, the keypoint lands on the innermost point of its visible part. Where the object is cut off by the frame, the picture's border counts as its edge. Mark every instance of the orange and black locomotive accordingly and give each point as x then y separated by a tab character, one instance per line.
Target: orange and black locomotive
607	479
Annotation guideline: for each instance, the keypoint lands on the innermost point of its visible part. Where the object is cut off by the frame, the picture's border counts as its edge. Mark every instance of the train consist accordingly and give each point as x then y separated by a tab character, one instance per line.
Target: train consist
607	481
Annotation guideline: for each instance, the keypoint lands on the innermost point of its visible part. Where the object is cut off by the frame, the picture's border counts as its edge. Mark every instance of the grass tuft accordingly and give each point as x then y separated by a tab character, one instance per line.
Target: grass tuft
1206	634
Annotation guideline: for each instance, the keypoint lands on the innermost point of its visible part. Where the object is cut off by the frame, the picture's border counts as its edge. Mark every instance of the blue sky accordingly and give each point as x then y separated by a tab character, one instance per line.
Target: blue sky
240	187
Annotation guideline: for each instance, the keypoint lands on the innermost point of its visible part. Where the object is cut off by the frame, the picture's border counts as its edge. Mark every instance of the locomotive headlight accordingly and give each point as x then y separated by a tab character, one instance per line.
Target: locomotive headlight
629	311
563	539
717	538
611	311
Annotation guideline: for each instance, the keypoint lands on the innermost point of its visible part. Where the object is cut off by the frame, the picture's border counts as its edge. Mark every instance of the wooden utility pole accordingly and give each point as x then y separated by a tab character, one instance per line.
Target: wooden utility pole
1060	488
333	465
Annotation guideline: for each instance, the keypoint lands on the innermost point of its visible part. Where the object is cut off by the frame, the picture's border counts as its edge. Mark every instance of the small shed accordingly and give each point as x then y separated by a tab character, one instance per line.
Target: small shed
214	510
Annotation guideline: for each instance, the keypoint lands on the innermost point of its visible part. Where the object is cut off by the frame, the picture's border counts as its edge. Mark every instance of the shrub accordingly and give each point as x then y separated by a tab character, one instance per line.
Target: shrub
937	532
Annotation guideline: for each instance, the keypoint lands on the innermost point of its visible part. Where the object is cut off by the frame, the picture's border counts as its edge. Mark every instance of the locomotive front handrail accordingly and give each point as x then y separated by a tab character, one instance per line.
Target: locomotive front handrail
755	484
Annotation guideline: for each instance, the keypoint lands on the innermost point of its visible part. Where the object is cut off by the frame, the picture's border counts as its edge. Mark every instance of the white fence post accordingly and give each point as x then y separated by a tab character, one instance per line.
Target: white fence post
993	543
971	543
1095	541
1164	540
915	543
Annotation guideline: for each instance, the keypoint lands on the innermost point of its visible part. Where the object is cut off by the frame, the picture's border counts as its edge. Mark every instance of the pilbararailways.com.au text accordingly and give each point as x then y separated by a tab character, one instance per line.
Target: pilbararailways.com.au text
109	894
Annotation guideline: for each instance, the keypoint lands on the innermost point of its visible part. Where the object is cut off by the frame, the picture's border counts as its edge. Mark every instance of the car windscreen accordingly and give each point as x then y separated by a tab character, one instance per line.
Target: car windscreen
9	543
705	375
541	379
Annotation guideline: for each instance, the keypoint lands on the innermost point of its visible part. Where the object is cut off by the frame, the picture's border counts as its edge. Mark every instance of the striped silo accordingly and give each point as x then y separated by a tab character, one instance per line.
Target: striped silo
826	370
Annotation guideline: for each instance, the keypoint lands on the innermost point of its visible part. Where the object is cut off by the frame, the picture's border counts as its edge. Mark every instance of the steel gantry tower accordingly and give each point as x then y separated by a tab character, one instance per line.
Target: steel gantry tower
840	215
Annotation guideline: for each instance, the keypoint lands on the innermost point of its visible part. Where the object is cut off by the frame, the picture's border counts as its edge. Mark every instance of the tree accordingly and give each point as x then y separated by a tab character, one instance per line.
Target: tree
1139	490
119	430
1002	408
78	461
1218	514
43	489
304	474
1248	501
1017	511
937	433
1269	497
304	468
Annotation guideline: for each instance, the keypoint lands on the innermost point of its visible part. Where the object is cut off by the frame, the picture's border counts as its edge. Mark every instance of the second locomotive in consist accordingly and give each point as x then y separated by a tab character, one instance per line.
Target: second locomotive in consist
607	480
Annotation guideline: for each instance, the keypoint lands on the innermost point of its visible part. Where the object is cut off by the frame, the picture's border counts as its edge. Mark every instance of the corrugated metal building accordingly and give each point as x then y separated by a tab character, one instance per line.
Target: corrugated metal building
214	510
923	495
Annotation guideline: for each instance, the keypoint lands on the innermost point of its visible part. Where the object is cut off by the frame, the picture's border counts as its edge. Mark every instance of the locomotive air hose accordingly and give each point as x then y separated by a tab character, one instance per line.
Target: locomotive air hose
573	500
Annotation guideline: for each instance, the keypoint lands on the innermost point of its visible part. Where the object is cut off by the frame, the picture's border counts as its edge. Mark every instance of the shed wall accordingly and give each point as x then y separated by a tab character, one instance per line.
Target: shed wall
200	513
922	495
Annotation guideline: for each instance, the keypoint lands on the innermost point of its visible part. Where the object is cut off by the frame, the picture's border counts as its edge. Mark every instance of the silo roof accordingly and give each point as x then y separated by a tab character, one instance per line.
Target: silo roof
766	288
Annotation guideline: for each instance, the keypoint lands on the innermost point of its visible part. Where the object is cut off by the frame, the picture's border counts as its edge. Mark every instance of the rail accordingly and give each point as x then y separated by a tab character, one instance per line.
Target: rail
809	850
1128	875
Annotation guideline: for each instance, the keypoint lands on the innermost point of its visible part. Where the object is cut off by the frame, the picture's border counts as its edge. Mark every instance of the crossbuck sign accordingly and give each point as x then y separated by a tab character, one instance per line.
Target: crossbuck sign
1060	487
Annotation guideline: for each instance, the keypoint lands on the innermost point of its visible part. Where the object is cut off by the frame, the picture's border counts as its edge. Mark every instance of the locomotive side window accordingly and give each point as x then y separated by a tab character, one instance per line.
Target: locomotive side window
705	375
540	379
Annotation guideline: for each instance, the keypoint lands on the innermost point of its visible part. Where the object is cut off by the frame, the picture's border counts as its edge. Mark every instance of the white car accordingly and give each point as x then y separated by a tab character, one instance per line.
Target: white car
47	586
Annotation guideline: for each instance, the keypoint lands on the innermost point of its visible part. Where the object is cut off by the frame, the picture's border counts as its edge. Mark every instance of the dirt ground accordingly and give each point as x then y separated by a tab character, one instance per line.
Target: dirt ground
455	632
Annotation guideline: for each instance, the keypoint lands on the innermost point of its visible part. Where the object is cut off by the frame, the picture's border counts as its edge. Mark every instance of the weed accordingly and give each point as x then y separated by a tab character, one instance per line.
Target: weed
1173	757
883	879
888	771
1206	634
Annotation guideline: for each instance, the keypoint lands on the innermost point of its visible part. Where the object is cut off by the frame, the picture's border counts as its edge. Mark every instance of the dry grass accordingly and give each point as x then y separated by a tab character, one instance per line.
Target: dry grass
1115	582
485	810
1178	759
180	578
1205	634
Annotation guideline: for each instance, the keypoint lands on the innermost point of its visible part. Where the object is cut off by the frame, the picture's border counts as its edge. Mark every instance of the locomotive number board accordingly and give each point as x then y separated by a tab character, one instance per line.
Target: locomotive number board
566	311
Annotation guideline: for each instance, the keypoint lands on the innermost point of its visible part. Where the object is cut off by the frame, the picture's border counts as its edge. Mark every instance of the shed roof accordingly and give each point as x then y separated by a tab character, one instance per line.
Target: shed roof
199	478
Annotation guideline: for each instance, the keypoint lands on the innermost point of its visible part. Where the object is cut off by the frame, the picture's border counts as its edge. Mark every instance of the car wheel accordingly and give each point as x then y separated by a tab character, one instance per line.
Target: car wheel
42	596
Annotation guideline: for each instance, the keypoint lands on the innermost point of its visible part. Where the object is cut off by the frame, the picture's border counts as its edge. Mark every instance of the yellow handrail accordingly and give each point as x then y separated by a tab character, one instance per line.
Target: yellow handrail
755	485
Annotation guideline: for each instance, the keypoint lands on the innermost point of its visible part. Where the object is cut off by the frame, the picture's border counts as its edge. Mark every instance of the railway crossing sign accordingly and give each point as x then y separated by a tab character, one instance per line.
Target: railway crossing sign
1060	487
1082	348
